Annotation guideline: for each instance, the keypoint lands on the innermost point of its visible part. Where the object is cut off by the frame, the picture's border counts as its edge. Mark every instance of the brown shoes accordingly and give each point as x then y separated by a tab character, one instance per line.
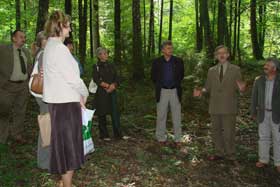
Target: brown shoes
215	158
278	169
260	164
163	143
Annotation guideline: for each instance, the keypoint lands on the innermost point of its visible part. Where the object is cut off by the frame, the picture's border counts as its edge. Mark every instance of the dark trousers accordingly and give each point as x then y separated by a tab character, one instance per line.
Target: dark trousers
13	103
102	124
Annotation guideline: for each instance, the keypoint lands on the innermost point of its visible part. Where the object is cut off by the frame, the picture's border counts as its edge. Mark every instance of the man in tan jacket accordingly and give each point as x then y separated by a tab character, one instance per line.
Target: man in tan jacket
14	73
223	83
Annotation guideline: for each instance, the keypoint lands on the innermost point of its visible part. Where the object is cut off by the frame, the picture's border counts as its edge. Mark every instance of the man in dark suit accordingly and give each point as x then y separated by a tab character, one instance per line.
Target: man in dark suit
14	68
167	74
265	109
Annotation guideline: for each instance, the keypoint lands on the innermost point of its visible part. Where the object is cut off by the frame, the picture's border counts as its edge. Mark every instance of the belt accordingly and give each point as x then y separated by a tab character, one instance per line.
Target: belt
268	110
169	88
21	81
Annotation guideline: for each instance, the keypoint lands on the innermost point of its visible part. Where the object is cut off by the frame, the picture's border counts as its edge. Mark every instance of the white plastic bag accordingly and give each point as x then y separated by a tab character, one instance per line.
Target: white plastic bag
92	87
87	126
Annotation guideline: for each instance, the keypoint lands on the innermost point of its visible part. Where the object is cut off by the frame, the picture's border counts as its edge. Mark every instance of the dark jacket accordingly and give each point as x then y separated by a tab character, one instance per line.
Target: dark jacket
157	74
104	72
258	99
7	63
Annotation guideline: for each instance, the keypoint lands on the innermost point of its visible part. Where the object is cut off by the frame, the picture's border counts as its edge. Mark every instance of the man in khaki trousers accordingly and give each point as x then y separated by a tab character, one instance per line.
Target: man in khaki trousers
223	83
14	73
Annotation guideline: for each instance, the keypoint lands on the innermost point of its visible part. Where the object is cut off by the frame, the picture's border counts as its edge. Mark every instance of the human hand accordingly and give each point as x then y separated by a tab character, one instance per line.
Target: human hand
241	85
111	88
197	92
41	73
83	101
254	117
104	85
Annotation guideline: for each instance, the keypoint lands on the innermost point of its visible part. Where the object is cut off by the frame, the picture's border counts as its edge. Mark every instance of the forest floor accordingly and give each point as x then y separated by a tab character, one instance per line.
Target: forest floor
139	161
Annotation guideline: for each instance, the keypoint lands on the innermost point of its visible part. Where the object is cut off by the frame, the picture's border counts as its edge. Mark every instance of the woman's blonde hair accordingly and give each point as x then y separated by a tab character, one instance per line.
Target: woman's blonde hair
55	23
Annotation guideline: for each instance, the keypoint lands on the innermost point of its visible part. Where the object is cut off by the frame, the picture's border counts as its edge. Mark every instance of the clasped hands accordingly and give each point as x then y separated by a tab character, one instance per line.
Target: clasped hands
108	87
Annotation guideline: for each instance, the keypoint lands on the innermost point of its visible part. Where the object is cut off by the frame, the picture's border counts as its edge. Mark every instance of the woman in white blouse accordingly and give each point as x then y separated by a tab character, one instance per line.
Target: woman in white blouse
65	94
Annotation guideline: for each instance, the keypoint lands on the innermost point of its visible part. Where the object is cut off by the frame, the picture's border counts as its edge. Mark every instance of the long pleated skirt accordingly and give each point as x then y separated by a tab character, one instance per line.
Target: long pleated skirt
66	137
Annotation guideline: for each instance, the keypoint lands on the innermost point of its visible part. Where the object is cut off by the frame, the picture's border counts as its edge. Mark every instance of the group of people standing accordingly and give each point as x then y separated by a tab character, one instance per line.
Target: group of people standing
64	93
223	85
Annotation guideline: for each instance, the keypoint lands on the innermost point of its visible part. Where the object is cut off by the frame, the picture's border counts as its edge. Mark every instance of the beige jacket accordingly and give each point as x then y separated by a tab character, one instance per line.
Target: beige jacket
223	95
62	82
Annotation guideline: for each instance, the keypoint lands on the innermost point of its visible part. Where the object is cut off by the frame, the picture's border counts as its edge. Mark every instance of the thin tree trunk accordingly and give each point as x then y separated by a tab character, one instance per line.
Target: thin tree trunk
254	32
68	7
262	25
138	68
170	20
199	32
117	19
42	14
151	42
144	27
96	37
208	36
91	28
238	31
229	28
25	14
18	26
82	30
222	22
160	27
236	16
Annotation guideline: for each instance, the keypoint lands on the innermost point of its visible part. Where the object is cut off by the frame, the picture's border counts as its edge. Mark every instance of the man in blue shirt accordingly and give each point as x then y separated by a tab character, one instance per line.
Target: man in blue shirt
167	74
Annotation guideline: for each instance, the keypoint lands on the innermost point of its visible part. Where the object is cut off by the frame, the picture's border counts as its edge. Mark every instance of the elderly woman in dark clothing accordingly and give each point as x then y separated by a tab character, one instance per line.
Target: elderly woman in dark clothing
106	78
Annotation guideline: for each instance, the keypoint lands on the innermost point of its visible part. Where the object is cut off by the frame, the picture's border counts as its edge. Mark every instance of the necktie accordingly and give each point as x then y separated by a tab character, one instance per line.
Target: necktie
221	73
22	63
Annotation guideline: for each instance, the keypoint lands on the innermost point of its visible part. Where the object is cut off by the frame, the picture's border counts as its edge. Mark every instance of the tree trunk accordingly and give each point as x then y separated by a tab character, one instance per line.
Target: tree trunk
68	7
160	27
238	31
96	37
262	25
42	14
25	14
144	27
82	29
151	43
199	32
236	16
18	15
222	22
208	36
117	19
170	20
257	52
138	69
229	28
91	28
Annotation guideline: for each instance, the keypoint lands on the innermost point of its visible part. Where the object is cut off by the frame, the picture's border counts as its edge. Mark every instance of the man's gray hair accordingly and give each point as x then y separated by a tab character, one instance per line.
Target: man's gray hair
165	43
274	61
100	50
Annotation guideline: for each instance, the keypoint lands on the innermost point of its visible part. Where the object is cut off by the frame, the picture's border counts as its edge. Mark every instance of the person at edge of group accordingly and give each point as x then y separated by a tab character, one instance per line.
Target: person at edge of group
70	45
65	93
15	68
265	109
105	101
223	82
43	153
167	74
